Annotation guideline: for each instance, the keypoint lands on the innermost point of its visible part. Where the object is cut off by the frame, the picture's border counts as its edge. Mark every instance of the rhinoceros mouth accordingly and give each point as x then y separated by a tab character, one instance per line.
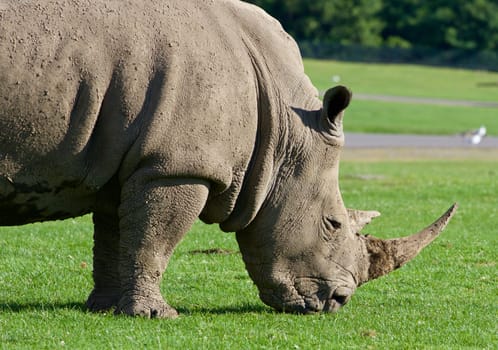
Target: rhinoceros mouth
304	305
308	296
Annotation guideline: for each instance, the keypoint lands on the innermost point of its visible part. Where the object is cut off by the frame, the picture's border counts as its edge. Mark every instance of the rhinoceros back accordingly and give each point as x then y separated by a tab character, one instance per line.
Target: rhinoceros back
89	90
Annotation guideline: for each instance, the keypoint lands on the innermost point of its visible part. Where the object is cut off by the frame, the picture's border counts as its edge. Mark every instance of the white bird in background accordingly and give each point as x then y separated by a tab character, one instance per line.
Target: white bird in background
475	137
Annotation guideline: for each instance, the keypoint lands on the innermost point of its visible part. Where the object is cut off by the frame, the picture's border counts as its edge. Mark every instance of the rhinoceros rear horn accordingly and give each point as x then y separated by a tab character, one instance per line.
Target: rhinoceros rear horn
388	255
335	101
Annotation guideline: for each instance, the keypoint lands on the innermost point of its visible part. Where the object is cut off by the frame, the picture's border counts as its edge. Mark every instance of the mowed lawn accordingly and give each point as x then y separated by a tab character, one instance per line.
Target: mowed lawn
411	81
447	298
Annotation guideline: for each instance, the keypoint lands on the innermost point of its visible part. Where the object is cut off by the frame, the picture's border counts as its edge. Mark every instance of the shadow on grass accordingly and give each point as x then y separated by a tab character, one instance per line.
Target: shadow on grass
26	307
81	307
231	310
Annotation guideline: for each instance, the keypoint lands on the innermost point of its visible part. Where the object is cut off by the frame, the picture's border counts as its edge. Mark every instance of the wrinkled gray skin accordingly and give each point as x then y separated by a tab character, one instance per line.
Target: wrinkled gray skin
152	113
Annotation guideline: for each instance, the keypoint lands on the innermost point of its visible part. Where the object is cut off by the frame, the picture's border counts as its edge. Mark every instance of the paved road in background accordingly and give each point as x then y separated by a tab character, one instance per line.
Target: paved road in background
359	140
386	147
366	146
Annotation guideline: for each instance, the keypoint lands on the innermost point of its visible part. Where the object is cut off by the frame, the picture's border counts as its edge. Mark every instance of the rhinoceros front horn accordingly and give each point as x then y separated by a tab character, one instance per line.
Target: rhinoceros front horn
388	255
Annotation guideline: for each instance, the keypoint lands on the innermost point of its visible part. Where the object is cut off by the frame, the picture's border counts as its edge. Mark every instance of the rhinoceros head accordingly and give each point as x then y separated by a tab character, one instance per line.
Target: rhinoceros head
303	249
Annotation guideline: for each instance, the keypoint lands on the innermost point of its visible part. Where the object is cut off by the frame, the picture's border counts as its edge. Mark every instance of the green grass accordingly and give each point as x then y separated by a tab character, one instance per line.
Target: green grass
412	81
406	80
445	299
401	118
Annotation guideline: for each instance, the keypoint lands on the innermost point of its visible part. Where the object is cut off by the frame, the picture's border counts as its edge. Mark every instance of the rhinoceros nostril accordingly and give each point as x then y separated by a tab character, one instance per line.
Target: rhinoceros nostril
341	295
341	299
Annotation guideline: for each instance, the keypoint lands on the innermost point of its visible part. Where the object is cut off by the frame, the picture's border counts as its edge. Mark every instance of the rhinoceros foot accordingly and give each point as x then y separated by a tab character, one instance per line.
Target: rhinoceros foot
103	300
149	307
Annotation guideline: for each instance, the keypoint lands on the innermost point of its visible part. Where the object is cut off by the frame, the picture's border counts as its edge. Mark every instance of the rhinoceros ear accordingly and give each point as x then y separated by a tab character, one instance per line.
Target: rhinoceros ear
360	218
335	102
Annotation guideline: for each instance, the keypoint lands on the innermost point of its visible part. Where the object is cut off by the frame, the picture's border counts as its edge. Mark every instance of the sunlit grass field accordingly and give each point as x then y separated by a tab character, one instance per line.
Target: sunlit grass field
406	80
412	81
447	298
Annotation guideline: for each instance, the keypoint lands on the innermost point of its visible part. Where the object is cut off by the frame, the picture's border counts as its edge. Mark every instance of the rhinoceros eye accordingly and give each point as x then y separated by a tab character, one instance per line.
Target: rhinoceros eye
331	228
332	224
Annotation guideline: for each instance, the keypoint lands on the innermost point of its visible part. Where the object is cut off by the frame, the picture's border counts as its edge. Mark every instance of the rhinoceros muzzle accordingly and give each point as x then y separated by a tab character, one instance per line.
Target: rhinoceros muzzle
307	296
333	303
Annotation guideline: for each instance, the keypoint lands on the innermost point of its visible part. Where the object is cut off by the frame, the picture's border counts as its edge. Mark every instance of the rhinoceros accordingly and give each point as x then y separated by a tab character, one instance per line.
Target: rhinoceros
150	114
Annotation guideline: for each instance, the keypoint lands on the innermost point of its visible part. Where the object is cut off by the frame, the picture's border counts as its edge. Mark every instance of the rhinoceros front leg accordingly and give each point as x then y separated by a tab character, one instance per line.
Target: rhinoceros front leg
107	289
154	216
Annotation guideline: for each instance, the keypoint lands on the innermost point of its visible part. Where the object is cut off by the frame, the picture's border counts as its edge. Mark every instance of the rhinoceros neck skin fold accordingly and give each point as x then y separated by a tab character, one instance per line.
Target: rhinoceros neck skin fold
282	86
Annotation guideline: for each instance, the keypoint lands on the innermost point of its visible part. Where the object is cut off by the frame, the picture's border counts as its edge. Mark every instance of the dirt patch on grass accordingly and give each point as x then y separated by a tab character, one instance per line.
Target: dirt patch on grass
213	251
413	154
